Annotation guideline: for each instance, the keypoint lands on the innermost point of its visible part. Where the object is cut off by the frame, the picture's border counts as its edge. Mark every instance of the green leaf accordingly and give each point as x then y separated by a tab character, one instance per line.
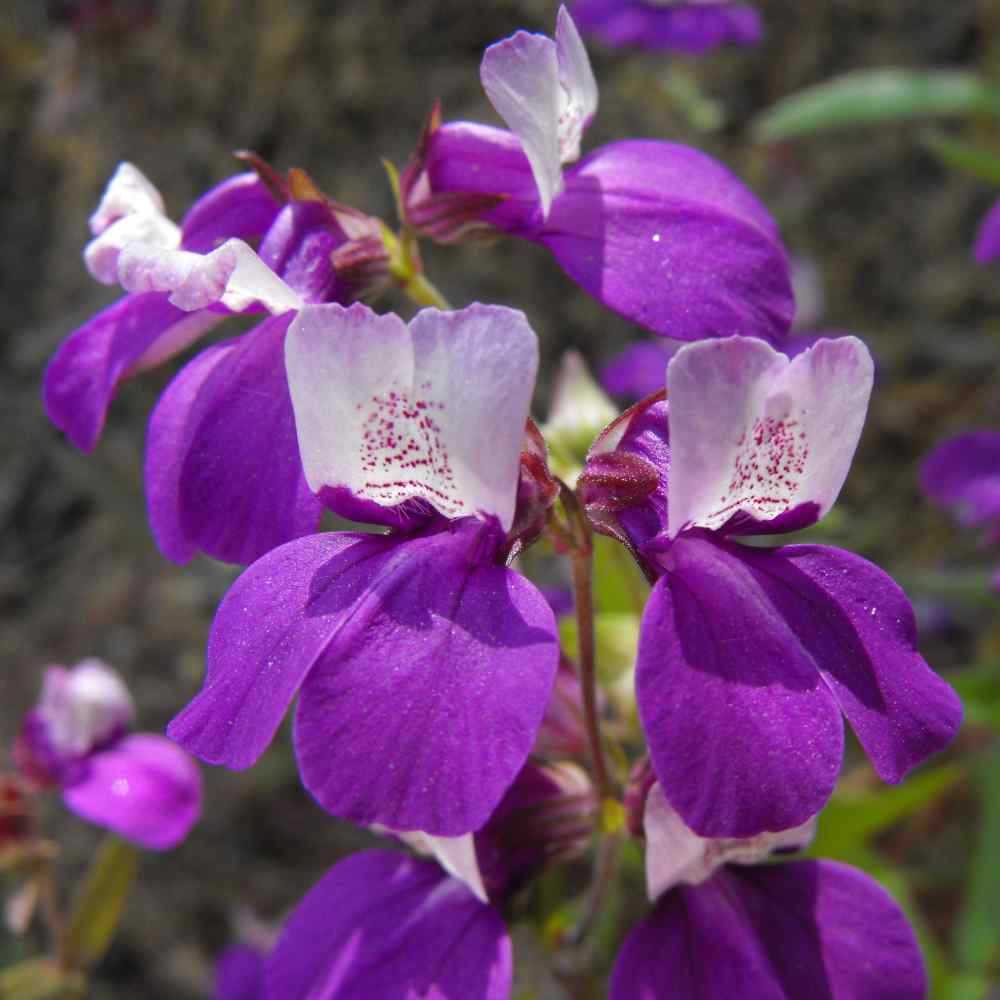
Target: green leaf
976	941
871	97
979	689
99	903
40	979
619	586
964	156
616	638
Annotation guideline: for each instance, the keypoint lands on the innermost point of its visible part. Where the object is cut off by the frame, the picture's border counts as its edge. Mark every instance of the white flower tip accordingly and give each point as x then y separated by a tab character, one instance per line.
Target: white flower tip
129	192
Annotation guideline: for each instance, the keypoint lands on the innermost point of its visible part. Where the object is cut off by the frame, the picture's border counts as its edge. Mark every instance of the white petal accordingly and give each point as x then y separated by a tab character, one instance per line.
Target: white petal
102	252
521	78
456	855
578	101
436	412
129	192
232	275
676	854
752	431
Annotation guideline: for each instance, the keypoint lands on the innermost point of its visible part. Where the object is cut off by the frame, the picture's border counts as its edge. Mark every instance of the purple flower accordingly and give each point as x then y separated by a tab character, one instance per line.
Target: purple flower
140	786
987	246
680	25
239	974
223	474
423	665
963	473
725	926
656	231
748	656
381	924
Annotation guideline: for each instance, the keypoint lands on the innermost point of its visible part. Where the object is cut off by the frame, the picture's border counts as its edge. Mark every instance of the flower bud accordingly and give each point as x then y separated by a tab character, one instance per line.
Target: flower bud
537	491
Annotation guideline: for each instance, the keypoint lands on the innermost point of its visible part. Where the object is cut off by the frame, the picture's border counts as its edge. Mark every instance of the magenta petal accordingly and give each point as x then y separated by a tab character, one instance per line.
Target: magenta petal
240	206
239	974
82	377
421	710
638	371
743	733
143	787
859	628
223	473
384	926
815	929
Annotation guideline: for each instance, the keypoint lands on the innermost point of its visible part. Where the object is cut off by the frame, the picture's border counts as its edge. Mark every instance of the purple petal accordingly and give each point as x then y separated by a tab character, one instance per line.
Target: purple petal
133	333
380	926
964	472
987	246
223	473
803	929
756	436
859	629
434	413
239	206
744	735
239	974
638	371
428	675
144	788
685	27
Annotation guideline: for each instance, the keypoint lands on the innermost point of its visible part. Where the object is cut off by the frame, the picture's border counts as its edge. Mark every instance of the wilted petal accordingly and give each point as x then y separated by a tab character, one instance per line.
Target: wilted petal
129	192
987	245
435	413
815	929
743	733
239	206
134	333
383	925
757	437
694	26
521	78
233	276
223	473
144	788
964	472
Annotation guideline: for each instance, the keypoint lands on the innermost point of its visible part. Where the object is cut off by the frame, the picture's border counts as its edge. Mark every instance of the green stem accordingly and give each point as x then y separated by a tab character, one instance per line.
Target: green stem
423	293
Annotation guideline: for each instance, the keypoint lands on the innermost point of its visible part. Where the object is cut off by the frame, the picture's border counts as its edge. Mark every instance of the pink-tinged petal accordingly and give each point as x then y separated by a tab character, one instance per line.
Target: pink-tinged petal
129	192
675	854
381	925
101	254
134	333
428	674
521	78
680	26
422	708
744	734
801	929
859	628
144	788
964	472
239	974
232	275
456	855
223	473
756	436
987	246
579	98
239	206
435	413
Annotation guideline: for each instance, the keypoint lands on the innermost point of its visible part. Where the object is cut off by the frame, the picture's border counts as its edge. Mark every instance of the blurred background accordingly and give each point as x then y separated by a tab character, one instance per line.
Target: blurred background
882	228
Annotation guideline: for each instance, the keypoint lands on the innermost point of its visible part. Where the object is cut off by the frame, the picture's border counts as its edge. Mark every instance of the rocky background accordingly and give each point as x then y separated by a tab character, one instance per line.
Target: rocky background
176	85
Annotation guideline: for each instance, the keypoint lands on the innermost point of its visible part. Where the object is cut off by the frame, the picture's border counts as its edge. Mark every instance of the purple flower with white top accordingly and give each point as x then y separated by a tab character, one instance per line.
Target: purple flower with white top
655	231
139	785
748	656
678	25
963	473
724	925
223	474
423	665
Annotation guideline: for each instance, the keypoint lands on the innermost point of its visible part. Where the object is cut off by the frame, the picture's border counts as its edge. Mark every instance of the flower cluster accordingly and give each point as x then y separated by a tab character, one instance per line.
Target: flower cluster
434	704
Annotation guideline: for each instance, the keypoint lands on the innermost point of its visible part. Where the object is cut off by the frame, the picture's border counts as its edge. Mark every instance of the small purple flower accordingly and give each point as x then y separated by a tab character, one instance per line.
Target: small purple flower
140	786
749	656
656	231
239	974
725	926
963	473
423	665
223	474
987	245
679	25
